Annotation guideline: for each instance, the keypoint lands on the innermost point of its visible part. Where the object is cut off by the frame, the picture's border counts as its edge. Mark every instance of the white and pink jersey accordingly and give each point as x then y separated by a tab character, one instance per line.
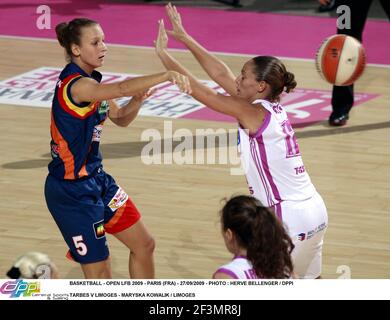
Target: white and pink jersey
238	268
272	161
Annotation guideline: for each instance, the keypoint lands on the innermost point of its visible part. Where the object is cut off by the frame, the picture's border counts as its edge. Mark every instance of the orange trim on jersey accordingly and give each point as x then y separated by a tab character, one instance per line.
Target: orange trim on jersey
83	171
63	150
68	105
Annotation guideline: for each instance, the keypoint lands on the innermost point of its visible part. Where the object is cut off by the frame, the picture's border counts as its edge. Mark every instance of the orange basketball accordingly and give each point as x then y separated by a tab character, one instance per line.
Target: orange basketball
341	60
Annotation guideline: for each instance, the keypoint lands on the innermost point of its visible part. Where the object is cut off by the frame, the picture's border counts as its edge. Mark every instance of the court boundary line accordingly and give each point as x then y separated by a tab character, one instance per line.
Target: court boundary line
378	65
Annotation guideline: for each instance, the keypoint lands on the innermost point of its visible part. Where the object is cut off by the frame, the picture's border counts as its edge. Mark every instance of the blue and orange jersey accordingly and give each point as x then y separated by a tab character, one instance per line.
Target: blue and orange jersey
75	128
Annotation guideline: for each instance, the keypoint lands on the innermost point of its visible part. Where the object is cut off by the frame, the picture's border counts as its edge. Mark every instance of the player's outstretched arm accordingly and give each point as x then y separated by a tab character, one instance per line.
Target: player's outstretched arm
251	118
215	68
88	89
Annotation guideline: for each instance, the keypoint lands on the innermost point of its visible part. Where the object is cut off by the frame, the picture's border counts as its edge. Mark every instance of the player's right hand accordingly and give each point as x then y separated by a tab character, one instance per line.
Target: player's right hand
180	80
178	31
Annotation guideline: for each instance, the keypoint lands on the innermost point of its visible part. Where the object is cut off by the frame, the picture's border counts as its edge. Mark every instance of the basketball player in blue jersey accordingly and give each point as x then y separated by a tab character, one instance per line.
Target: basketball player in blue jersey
269	150
258	241
83	199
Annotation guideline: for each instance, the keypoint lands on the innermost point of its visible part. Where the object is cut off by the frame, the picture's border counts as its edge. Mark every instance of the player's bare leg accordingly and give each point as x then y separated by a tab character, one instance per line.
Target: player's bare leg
97	270
141	245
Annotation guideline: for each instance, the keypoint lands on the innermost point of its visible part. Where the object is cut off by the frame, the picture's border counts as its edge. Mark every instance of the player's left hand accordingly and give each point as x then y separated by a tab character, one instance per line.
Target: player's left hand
178	32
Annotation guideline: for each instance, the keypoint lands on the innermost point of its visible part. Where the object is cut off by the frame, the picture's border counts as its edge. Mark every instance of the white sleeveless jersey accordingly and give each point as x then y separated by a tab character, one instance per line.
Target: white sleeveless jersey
238	268
271	160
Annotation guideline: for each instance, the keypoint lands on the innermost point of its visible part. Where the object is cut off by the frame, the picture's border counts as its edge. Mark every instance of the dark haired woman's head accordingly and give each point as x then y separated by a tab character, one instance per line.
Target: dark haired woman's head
264	77
82	39
248	225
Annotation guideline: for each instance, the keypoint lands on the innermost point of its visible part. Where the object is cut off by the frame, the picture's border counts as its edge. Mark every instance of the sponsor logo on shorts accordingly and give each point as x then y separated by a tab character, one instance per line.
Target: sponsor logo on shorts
318	229
98	227
118	200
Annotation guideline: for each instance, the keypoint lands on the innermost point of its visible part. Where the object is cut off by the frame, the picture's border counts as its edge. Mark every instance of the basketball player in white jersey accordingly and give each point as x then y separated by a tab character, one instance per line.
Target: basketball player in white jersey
269	151
258	241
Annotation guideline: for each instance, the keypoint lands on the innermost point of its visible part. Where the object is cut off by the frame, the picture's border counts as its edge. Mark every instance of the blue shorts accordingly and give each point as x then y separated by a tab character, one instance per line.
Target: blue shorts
85	210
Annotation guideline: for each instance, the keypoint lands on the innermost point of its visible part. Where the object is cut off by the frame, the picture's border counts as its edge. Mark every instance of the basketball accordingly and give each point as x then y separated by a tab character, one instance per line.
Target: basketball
341	60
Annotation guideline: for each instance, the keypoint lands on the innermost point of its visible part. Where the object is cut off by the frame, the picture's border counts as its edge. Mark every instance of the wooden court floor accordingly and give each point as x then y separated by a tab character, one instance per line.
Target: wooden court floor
349	166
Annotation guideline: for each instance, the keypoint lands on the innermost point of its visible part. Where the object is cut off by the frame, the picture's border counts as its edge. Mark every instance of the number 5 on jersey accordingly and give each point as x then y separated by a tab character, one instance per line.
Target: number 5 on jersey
80	245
